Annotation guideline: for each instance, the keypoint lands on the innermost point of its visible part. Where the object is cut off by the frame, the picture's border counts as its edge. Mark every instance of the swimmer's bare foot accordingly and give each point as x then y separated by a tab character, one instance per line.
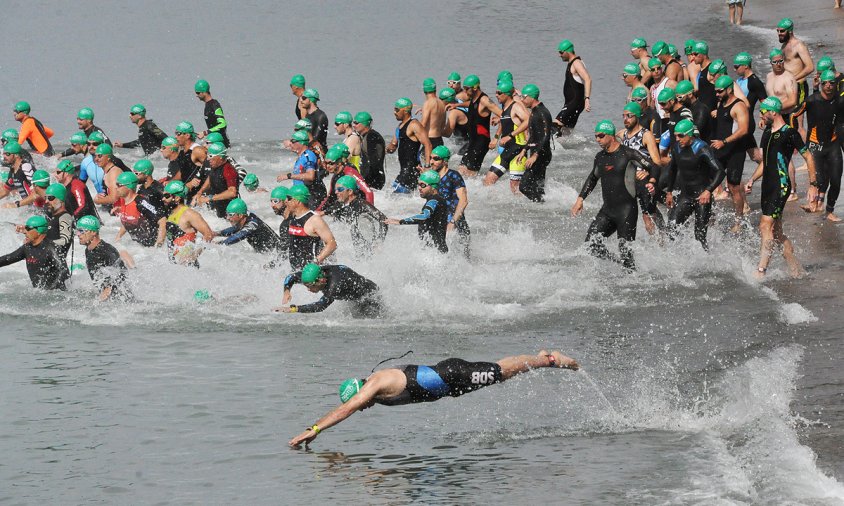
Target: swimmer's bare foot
831	217
795	270
811	207
792	197
735	229
561	360
720	194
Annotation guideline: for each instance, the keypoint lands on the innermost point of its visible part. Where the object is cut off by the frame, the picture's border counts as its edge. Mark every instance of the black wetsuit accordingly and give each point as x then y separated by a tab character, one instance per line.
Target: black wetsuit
432	222
574	94
215	121
733	154
342	283
149	138
777	149
651	120
697	170
647	202
479	135
140	219
219	183
153	193
257	233
702	118
452	377
106	268
88	131
510	149
60	231
823	116
408	154
532	184
617	173
668	124
302	248
755	94
46	268
319	127
367	225
705	89
372	149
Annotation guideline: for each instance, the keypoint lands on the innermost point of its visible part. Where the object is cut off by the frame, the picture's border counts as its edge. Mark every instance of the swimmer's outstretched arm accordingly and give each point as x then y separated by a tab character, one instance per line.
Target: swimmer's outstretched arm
511	366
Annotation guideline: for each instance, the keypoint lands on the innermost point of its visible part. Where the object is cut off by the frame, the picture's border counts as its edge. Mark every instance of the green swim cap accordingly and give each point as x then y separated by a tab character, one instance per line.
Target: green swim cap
202	296
504	75
454	76
701	47
824	64
343	118
665	95
66	166
786	24
138	109
828	76
311	94
250	182
506	87
770	104
41	178
57	190
236	206
88	222
685	127
639	92
213	137
403	103
279	192
364	118
202	86
170	142
605	127
300	192
128	179
348	182
79	138
430	178
743	58
85	113
672	50
301	137
349	388
689	46
12	147
143	166
185	127
774	53
104	149
10	134
653	63
429	85
723	82
39	223
303	124
634	108
660	48
638	43
333	154
471	81
531	90
22	107
717	67
565	45
176	188
298	81
632	69
442	151
344	150
684	87
448	95
96	137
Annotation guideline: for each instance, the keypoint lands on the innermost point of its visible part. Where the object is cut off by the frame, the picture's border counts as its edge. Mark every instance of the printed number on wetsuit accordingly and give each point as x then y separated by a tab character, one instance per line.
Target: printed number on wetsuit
482	378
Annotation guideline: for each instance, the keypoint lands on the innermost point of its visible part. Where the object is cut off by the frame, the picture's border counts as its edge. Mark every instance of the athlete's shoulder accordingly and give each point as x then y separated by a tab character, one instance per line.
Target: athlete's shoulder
699	145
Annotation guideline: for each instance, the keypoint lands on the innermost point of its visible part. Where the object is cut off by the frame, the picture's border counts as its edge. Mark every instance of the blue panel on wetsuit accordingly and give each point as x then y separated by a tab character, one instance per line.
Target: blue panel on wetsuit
431	381
697	145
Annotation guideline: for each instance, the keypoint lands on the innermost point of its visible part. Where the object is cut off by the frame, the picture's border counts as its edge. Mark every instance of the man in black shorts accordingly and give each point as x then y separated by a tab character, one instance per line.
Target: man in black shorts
479	109
729	140
576	89
419	383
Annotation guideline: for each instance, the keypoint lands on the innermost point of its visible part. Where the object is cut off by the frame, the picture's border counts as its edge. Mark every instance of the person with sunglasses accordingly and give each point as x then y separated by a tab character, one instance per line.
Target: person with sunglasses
799	62
372	149
215	121
668	57
11	135
335	282
366	223
639	51
701	113
85	122
577	87
433	113
754	90
432	221
78	200
148	186
104	264
297	87
452	188
60	228
635	136
649	119
46	269
143	219
309	237
247	226
456	121
729	140
40	181
825	63
221	185
512	139
661	82
781	83
691	68
149	134
479	109
343	126
32	131
319	121
20	173
337	163
181	226
631	74
540	131
192	159
102	157
705	88
411	138
306	171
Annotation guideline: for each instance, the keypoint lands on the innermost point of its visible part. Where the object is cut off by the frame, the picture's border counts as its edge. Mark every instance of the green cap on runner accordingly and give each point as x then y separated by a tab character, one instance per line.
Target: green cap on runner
213	137
250	182
701	47
364	118
88	222
632	69
448	95
566	46
57	190
66	166
41	178
689	46
176	188
202	296
639	93
85	113
347	182
79	138
633	108
138	109
128	179
143	166
665	95
786	24
672	50
217	149
10	134
638	43
170	142
39	223
506	87
333	154
660	48
279	192
185	127
349	388
685	127
770	104
403	103
104	149
828	76
96	137
202	86
743	58
298	81
504	76
471	81
344	150
824	63
301	137
429	85
605	126
303	124
531	90
430	178
723	83
12	147
717	67
442	152
343	118
23	107
311	94
684	87
453	77
300	192
654	63
236	206
775	53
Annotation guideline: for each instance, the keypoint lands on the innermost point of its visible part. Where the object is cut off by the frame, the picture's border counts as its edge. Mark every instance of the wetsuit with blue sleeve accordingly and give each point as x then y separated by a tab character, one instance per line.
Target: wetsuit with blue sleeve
90	170
432	222
256	232
342	283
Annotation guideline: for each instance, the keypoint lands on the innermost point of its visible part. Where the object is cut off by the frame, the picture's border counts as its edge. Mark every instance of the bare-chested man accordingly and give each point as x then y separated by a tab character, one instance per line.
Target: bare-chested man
781	83
631	75
639	50
692	68
511	137
182	226
799	62
433	113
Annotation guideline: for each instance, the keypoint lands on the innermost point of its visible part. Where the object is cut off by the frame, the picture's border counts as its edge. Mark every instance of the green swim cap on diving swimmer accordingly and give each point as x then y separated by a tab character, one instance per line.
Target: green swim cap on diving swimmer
430	178
213	137
448	95
311	94
23	107
665	95
685	127
138	109
10	134
12	147
638	43
176	188
96	137
250	182
654	63
429	85
471	81
442	151
143	166
364	118
824	63
298	81
311	272
343	118
202	296
454	77
743	58
689	46
701	47
303	124
632	69
88	222
38	222
717	67
504	75
66	166
828	76
684	87
660	48
786	24
85	113
185	127
349	388
202	86
506	87
633	108
774	53
279	192
236	206
301	137
300	192
565	45
348	182
57	190
531	90
104	149
170	142
128	179
723	82
770	104
79	138
41	178
403	103
605	127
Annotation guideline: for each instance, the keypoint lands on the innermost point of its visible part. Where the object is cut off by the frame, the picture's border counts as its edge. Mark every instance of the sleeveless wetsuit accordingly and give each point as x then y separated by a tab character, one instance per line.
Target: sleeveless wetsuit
303	248
822	139
479	136
777	149
733	154
408	154
451	377
705	89
647	202
574	95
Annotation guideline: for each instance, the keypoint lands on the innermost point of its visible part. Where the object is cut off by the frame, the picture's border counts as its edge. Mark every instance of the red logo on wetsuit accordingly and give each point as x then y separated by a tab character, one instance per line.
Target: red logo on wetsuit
297	231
